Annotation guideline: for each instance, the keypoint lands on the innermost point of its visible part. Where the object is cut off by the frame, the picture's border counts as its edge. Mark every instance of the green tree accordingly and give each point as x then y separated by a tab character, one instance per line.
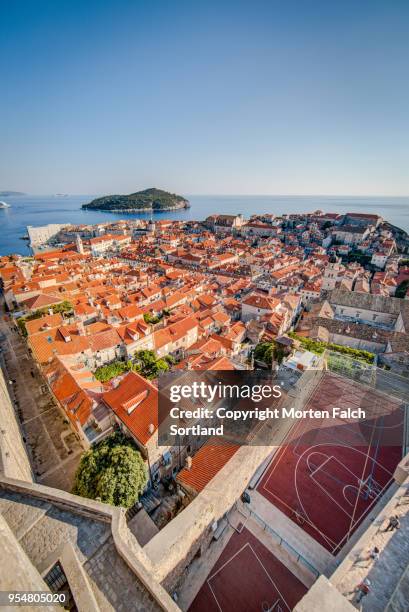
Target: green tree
150	318
62	308
148	365
401	290
266	351
106	372
263	352
145	362
112	471
319	347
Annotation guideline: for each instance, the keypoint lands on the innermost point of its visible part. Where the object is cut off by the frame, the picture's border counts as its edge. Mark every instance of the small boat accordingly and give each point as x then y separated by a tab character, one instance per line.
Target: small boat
4	205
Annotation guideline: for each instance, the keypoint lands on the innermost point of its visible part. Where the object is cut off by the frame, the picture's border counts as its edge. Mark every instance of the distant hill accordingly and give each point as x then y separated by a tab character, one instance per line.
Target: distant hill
7	194
148	199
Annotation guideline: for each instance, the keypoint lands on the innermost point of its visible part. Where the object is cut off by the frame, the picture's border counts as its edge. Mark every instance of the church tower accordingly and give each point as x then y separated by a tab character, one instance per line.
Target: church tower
80	246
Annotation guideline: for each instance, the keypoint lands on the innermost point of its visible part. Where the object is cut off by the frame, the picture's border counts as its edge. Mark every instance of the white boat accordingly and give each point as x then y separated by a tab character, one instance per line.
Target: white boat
4	205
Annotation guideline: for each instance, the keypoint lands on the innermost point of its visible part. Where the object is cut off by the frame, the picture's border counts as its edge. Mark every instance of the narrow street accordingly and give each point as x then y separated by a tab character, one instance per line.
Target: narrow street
53	448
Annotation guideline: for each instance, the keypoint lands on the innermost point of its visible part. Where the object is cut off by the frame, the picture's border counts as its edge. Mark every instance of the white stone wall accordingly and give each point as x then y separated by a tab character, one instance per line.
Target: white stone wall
365	316
251	312
40	235
14	462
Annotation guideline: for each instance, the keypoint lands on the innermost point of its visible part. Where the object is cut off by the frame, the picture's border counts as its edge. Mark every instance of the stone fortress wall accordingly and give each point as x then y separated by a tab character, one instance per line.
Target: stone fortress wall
14	462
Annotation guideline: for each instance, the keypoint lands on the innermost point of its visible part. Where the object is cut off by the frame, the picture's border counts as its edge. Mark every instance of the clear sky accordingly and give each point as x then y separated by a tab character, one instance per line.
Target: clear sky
203	96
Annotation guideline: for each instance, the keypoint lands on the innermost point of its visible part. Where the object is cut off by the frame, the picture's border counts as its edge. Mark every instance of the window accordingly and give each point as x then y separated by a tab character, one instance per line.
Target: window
56	578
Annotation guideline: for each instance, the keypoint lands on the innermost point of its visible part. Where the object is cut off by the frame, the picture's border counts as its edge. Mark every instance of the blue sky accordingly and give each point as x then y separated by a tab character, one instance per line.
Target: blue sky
259	97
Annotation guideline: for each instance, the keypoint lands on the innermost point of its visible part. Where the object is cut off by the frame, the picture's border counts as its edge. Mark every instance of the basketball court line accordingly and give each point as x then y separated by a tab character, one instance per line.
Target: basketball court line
353	431
279	454
351	387
283	448
328	458
358	396
325	490
361	517
276	606
331	437
360	486
325	537
247	544
352	390
276	462
295	512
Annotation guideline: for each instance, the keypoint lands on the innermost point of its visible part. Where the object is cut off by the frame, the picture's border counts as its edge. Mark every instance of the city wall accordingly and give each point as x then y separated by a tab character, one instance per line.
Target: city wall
14	462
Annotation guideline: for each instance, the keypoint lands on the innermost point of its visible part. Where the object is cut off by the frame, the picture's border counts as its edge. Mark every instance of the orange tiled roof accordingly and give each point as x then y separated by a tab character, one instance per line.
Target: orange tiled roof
77	404
207	462
104	339
130	312
174	332
41	300
260	301
38	325
135	390
48	343
207	362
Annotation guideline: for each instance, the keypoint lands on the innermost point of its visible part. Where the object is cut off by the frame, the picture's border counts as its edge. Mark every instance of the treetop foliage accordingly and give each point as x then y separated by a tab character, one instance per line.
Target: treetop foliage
112	471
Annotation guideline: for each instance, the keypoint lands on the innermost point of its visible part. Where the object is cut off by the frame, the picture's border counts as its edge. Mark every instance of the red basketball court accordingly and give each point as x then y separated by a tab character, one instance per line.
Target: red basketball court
247	577
331	472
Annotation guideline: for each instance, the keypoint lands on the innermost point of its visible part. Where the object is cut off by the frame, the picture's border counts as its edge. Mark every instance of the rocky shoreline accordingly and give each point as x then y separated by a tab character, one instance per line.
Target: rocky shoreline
142	210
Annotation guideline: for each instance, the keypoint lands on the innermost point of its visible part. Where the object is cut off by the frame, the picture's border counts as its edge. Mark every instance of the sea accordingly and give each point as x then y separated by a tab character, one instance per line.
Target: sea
40	210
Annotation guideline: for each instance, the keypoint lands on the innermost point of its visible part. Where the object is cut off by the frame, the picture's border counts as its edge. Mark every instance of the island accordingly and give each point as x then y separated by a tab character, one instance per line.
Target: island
8	194
149	199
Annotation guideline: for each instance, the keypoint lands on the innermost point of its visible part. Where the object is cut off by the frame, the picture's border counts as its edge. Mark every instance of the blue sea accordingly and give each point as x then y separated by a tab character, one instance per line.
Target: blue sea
40	210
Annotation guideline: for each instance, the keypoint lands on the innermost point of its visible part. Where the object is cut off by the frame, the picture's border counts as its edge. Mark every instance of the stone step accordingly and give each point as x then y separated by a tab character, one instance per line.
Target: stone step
23	521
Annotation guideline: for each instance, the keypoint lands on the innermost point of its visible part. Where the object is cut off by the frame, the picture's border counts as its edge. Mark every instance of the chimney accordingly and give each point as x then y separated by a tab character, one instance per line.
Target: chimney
81	328
151	428
188	463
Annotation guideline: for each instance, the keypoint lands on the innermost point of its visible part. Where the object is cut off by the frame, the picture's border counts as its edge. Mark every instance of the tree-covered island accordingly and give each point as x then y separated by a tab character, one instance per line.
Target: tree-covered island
148	199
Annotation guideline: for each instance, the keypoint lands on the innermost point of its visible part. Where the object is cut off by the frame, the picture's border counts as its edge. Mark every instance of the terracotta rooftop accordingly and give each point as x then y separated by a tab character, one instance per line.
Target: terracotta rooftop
135	402
206	463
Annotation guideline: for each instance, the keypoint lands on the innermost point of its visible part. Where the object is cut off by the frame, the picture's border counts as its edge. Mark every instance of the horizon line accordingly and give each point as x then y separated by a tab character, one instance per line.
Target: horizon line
234	195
